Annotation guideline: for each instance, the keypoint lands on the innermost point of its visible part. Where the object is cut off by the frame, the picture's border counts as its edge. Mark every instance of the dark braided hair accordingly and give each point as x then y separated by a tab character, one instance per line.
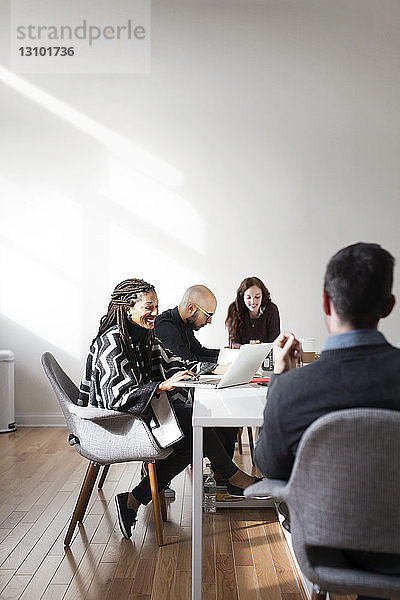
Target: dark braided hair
238	311
127	293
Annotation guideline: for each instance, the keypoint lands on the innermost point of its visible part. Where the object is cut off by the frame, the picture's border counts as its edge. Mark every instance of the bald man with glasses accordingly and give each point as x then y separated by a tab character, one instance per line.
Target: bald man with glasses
175	327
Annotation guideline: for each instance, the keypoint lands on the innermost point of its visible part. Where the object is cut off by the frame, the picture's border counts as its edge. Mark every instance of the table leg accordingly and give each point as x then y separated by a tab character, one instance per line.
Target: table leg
197	501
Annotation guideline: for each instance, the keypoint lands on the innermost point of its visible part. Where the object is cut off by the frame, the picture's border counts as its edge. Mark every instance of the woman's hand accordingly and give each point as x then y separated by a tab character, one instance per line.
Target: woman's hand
173	381
287	351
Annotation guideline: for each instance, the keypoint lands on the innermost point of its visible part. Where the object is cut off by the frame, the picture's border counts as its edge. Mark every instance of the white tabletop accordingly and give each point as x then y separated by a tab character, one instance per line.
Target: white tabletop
241	406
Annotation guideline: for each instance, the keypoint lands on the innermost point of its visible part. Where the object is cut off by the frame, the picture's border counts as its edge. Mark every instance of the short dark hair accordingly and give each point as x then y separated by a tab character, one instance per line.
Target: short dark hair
359	280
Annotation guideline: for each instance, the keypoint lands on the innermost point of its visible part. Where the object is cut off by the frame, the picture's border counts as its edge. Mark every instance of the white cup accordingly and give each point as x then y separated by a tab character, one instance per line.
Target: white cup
308	347
308	344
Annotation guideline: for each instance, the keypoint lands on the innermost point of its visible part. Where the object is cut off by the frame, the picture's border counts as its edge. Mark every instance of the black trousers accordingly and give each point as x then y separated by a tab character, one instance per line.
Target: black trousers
168	468
228	436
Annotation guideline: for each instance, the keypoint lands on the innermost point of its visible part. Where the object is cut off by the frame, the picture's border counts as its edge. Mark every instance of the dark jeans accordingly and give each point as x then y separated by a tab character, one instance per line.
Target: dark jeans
181	457
228	436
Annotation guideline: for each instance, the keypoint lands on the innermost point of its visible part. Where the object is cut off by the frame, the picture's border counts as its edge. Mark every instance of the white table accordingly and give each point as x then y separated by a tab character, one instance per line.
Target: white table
240	406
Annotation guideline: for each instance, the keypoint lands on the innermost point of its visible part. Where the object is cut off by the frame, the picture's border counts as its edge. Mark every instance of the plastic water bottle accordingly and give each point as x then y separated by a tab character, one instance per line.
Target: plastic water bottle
268	363
206	473
209	491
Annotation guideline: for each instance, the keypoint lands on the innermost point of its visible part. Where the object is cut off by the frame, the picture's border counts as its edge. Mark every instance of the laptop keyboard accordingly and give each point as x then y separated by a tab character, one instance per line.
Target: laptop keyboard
213	381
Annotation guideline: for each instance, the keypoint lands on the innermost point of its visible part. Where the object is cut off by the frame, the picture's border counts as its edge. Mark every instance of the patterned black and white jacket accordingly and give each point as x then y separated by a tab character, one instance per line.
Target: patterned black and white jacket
110	382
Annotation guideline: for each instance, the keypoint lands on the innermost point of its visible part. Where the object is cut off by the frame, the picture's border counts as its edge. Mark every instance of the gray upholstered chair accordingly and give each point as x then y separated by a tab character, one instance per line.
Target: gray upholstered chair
343	493
104	437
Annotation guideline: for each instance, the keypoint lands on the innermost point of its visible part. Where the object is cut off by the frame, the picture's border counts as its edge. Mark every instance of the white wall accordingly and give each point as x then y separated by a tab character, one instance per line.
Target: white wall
265	138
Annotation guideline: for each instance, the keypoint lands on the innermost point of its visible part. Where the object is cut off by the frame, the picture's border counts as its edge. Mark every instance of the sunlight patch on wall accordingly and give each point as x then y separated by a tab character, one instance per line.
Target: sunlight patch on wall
154	203
143	161
132	257
45	227
40	300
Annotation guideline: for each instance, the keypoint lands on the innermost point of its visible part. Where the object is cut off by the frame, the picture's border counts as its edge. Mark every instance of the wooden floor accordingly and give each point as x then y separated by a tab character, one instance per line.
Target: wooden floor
245	554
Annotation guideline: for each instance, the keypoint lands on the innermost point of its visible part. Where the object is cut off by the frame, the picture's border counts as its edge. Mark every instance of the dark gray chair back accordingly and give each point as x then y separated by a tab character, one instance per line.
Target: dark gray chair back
344	494
346	481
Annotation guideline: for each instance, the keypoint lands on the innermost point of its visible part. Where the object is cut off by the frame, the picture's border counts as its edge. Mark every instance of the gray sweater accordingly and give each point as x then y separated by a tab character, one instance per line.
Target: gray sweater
357	377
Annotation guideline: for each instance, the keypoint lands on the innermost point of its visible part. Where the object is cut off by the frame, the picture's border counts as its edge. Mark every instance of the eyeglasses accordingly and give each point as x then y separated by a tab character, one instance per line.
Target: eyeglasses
208	314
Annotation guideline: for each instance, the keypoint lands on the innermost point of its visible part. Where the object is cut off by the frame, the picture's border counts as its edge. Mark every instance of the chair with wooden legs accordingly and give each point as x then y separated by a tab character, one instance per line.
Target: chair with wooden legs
343	501
251	442
104	437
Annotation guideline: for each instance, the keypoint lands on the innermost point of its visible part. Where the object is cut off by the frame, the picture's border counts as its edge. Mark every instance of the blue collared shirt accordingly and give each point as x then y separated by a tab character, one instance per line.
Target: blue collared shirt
356	337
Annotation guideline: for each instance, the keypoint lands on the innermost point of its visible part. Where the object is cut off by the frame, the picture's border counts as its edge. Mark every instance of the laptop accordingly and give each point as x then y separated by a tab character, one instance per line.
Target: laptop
239	372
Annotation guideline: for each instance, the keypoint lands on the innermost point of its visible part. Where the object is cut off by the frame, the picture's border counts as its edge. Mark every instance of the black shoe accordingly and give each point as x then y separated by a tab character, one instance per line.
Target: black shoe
286	524
284	510
126	516
234	490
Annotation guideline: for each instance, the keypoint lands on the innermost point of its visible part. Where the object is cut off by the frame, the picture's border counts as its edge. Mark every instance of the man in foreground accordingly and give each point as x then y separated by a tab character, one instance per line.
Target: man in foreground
357	294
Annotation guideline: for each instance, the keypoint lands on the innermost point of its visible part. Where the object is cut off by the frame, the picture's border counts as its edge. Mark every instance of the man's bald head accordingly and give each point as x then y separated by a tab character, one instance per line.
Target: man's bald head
200	294
197	306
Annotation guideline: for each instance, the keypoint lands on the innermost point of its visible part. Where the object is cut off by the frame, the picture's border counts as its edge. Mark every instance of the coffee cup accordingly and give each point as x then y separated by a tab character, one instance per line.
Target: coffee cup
308	347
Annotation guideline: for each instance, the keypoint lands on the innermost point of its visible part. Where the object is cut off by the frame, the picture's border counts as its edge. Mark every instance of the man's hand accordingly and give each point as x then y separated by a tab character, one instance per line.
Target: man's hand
287	351
173	381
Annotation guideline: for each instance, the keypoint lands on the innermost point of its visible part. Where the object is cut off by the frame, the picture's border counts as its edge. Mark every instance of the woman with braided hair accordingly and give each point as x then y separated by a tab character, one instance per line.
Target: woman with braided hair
126	368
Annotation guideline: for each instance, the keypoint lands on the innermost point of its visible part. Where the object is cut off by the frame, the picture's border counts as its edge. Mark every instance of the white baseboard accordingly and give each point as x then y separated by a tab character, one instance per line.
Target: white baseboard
40	420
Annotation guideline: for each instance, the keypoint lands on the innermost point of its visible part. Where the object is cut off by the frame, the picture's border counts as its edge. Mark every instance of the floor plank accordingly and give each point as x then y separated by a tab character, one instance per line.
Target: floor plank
5	576
281	559
41	578
226	579
15	587
54	592
84	575
164	575
247	583
266	575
